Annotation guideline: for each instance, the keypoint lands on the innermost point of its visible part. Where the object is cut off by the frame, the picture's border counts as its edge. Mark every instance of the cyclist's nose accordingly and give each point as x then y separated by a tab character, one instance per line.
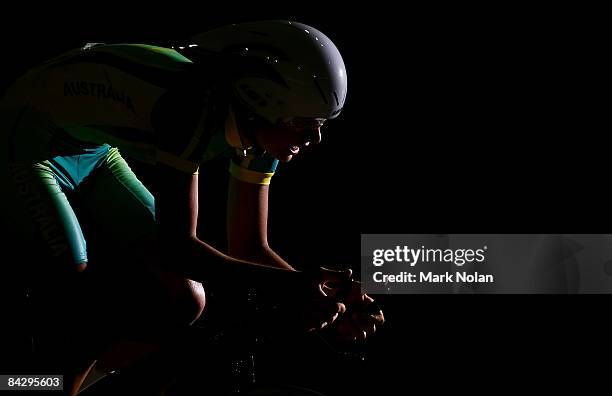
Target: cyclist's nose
318	135
315	136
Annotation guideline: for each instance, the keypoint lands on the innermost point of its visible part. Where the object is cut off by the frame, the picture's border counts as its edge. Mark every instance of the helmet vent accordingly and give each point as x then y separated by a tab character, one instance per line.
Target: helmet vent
320	91
337	101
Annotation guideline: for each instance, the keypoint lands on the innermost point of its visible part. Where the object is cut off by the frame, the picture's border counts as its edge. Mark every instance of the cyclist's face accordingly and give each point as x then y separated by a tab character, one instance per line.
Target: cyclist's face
285	139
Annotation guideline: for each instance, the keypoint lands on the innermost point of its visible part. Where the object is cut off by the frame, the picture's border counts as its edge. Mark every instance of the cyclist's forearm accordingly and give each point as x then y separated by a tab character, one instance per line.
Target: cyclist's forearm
200	261
262	255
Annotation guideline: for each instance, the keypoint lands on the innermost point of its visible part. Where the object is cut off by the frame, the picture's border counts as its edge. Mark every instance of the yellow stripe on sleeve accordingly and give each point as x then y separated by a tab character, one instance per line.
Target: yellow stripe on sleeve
250	176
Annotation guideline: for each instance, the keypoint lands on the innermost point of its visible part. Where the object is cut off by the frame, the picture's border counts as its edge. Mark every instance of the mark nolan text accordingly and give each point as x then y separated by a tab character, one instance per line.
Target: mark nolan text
430	277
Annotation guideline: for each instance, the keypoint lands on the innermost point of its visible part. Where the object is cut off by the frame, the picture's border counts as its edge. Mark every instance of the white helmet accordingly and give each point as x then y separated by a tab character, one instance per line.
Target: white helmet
283	69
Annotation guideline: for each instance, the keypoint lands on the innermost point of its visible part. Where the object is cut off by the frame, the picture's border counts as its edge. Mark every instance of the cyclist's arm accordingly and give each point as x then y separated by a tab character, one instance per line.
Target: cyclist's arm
177	213
247	223
182	251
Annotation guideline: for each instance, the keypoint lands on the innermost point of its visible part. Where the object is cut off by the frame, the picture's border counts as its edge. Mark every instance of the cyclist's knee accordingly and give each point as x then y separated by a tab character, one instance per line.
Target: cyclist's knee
191	302
183	299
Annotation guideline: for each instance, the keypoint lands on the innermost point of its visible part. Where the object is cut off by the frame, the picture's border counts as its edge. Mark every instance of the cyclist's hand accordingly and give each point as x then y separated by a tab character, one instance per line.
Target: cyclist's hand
362	317
323	308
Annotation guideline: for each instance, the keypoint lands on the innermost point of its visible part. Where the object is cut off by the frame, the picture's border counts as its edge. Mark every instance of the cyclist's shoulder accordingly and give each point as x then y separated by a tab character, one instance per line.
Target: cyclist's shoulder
121	56
149	55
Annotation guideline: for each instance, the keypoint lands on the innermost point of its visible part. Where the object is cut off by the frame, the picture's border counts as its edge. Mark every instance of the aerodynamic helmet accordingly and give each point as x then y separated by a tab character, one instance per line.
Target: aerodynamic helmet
281	69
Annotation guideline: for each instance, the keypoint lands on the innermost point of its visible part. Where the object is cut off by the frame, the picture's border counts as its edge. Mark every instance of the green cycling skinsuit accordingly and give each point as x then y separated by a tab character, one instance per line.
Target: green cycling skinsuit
64	124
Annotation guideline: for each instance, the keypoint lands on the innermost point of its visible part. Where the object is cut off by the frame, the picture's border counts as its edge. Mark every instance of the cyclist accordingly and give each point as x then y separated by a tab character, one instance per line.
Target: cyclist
256	92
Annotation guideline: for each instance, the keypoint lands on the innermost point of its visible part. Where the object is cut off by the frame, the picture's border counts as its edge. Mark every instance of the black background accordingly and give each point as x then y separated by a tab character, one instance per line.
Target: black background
458	119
